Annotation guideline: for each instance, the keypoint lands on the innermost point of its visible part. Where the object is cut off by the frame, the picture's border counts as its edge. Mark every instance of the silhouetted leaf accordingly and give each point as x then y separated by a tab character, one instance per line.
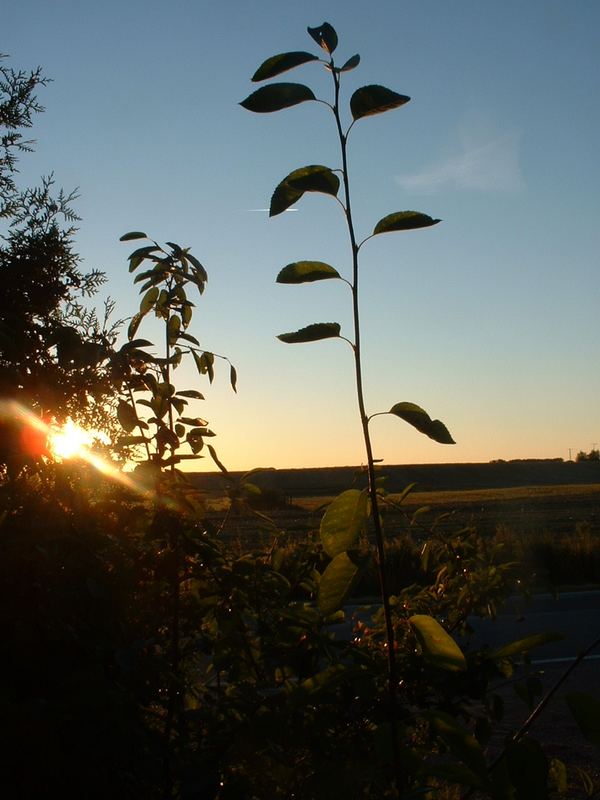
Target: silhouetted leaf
129	441
438	647
586	710
336	583
312	333
134	344
404	221
281	63
233	377
314	178
352	63
325	36
343	520
189	338
126	416
136	258
277	96
128	237
199	268
306	272
420	419
191	393
134	325
369	100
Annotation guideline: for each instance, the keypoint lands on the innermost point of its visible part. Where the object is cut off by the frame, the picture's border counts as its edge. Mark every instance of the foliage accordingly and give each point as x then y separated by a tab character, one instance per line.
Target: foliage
54	354
593	455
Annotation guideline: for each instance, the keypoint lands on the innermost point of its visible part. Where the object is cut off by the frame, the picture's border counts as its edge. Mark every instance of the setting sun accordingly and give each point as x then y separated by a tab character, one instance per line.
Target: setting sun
71	440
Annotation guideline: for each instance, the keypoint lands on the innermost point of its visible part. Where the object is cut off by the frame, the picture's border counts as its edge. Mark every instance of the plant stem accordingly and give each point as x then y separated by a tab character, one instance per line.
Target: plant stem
391	656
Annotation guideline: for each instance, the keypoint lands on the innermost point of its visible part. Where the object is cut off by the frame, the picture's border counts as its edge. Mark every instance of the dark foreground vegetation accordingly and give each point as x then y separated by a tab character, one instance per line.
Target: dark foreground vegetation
153	651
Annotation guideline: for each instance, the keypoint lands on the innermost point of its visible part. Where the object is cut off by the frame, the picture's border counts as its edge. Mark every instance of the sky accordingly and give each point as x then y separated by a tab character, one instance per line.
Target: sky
489	320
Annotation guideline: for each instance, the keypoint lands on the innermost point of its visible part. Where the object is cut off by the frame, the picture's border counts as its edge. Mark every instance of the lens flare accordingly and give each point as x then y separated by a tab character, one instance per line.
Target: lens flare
71	441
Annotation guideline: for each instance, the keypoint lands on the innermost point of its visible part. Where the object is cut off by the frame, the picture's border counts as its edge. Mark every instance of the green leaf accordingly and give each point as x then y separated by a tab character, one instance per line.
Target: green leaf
420	419
343	520
173	327
148	300
404	221
126	416
325	36
277	96
233	377
281	63
438	647
586	710
460	742
374	99
312	333
336	583
352	63
314	178
128	237
306	272
524	645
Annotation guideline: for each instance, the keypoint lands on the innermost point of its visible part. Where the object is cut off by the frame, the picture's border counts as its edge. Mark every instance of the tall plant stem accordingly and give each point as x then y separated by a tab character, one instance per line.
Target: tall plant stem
364	419
175	586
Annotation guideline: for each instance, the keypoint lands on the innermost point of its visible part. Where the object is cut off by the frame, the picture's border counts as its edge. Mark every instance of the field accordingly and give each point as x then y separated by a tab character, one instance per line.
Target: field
551	528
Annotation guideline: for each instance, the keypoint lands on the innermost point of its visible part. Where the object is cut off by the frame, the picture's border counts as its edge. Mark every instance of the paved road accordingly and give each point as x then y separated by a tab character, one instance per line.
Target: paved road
576	615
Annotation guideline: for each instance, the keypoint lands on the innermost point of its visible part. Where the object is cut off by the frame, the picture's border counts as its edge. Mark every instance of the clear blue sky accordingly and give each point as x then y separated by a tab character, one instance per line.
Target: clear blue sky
489	320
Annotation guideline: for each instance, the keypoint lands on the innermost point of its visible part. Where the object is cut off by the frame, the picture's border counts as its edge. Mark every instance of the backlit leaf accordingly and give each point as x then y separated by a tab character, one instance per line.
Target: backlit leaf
173	327
325	36
404	221
281	63
148	300
126	416
233	377
306	272
420	419
128	237
437	646
343	520
374	99
277	96
312	333
314	178
336	583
